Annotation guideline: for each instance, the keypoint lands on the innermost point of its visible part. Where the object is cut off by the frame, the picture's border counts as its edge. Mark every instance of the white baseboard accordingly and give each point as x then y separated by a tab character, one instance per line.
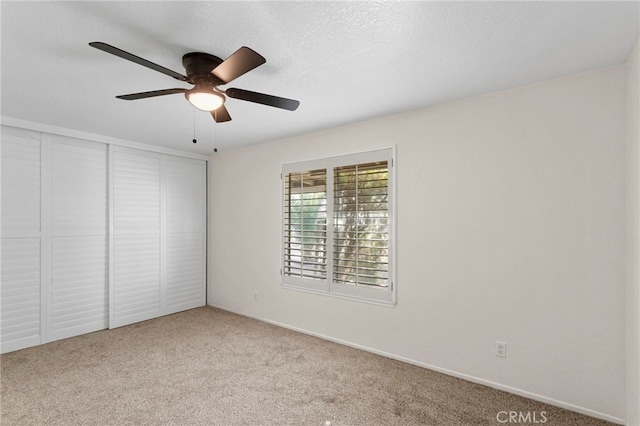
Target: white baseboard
489	383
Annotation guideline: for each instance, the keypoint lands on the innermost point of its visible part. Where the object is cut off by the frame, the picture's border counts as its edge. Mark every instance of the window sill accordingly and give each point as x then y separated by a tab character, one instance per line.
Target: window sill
377	302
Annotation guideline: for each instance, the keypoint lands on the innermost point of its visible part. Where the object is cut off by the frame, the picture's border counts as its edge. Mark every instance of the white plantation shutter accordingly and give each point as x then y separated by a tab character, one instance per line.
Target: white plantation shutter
20	292
305	224
54	246
136	279
20	186
136	237
136	198
78	238
361	224
159	236
95	236
185	266
338	226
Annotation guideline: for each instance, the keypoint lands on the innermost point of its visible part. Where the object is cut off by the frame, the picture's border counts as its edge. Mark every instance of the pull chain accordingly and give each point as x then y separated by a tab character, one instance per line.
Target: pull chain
215	132
215	137
194	127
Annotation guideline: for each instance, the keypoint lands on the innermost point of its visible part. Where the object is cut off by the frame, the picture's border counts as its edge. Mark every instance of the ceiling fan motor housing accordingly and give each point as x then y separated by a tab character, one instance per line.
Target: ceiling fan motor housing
199	65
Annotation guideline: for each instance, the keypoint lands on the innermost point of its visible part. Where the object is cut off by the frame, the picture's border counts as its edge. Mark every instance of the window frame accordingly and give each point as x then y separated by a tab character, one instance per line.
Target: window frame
385	296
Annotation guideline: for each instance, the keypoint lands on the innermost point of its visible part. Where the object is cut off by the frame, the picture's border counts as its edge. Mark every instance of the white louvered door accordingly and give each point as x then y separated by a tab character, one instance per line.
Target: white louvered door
20	290
185	230
159	230
95	236
135	283
78	238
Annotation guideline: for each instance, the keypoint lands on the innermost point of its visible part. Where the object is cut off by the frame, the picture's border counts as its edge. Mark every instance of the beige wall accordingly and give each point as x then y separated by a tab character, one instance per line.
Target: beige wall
633	238
511	227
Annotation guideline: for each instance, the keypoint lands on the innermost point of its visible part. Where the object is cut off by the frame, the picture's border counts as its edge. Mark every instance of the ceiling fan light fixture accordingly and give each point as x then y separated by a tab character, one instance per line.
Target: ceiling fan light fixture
204	98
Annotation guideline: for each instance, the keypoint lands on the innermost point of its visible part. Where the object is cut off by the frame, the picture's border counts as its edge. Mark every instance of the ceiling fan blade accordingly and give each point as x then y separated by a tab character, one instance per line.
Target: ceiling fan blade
221	114
241	61
138	60
154	93
261	98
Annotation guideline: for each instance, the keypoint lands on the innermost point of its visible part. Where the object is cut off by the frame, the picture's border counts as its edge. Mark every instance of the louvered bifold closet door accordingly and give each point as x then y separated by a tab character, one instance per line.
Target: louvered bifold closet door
79	293
20	294
185	225
135	281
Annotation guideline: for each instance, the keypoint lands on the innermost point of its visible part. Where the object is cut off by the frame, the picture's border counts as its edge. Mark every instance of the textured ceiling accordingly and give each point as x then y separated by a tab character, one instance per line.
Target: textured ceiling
344	61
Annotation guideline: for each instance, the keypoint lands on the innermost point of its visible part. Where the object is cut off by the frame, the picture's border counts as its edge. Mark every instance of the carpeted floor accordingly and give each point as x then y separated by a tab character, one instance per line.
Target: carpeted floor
210	367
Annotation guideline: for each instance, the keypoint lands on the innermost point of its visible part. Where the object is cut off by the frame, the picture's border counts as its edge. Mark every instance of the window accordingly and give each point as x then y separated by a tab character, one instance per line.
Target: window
305	233
338	226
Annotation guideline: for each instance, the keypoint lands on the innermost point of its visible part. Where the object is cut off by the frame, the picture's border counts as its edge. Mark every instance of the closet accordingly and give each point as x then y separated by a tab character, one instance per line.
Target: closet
95	236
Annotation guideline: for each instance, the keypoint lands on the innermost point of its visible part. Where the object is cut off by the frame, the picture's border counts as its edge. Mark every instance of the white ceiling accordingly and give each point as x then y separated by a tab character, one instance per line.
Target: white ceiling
344	61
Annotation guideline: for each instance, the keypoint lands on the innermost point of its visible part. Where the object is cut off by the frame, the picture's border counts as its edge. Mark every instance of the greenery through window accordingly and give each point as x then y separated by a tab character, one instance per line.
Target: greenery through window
305	251
337	226
361	224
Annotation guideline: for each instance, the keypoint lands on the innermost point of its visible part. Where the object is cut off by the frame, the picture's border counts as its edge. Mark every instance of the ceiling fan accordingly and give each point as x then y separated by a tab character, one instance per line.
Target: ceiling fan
206	72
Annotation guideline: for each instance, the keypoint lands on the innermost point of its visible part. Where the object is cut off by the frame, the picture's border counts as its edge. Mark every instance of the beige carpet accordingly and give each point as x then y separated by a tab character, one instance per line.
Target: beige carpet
211	367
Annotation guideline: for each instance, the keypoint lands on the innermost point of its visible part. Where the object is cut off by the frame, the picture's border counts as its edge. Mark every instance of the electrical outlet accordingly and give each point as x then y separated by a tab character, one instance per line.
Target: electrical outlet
501	349
255	295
